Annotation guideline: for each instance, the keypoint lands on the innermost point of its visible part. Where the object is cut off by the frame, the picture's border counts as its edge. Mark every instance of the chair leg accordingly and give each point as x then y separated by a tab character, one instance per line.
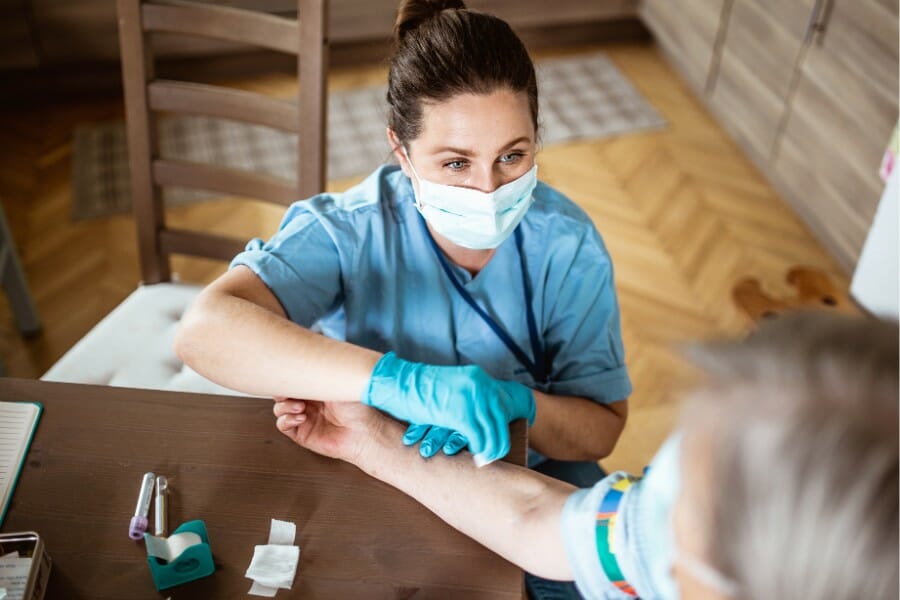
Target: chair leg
13	279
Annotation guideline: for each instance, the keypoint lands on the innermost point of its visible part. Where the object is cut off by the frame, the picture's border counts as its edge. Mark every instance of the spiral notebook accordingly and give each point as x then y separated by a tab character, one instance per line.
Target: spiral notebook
18	420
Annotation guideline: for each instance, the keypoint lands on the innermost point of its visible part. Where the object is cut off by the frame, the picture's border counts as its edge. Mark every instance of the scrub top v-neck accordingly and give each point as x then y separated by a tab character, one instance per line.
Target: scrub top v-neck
535	363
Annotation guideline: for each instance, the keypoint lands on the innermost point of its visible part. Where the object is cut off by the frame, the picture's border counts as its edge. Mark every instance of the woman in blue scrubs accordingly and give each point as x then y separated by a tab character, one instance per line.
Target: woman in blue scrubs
456	291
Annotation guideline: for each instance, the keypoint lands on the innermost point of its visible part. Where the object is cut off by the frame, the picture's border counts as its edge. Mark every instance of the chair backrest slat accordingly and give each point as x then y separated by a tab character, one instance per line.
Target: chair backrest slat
145	96
210	245
137	70
222	23
225	180
215	101
313	56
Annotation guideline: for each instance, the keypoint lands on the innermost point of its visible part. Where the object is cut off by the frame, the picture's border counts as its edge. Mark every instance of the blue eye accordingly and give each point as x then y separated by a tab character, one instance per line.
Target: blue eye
511	157
456	165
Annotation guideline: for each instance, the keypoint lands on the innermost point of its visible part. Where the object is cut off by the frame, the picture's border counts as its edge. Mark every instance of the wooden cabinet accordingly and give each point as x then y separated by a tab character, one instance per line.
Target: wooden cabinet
64	31
687	31
809	89
841	116
761	45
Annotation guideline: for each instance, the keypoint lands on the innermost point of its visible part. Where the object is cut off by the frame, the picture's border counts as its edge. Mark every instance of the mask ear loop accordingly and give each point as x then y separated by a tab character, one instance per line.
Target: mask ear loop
416	175
708	575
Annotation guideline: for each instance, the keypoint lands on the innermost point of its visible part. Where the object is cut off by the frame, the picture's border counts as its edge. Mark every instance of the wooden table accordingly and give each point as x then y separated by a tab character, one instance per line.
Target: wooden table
228	466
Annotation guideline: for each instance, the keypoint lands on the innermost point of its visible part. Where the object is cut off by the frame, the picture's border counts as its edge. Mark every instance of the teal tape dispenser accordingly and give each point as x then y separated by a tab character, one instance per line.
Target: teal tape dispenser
183	556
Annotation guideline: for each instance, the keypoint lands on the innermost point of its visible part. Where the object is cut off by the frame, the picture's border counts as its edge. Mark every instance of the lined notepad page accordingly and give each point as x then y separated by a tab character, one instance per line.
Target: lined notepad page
17	423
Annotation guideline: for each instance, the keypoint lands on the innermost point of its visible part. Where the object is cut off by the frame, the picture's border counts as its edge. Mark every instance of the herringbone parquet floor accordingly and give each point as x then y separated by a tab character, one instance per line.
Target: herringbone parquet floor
683	212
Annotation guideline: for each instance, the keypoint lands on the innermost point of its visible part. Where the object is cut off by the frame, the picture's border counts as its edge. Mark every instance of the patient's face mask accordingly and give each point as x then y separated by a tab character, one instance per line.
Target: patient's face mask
472	218
696	578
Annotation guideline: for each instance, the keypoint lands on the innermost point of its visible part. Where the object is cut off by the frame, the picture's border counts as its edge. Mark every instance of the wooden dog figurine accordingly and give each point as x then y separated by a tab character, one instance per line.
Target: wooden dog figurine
814	290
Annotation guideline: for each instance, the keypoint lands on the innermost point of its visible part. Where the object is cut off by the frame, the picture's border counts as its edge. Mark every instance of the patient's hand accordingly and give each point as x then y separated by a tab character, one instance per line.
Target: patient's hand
334	429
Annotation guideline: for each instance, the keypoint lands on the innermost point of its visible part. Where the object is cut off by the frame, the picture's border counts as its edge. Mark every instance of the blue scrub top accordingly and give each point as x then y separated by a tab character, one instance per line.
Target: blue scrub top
360	264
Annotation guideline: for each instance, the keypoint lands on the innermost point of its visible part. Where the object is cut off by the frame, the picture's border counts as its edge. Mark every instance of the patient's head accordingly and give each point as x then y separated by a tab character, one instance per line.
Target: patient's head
790	465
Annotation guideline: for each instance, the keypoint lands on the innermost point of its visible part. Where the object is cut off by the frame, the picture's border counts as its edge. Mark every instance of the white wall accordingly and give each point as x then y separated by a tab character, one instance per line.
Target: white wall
875	282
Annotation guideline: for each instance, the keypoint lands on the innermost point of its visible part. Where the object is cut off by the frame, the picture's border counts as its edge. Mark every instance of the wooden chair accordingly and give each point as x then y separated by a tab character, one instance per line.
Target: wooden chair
132	346
12	278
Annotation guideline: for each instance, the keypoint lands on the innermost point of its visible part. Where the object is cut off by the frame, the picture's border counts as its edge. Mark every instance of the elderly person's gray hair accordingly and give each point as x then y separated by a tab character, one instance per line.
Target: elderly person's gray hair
801	421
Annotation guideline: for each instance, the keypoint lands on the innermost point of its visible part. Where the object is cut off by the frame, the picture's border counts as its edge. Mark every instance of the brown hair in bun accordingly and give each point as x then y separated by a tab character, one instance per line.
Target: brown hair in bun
444	49
413	13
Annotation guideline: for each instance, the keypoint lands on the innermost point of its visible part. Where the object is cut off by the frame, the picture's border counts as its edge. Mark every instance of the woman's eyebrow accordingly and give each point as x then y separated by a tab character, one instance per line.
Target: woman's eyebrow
451	150
518	140
468	153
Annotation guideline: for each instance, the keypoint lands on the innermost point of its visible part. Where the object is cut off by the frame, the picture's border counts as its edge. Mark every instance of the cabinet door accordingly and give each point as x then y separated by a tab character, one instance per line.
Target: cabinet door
841	116
686	32
762	42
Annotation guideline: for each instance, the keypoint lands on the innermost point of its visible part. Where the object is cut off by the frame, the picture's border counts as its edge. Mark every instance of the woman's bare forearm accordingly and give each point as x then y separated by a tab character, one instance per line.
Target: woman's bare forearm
237	335
574	428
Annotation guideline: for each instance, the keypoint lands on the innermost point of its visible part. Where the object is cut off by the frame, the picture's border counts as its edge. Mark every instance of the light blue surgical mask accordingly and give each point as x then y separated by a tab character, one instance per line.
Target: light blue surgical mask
661	488
472	218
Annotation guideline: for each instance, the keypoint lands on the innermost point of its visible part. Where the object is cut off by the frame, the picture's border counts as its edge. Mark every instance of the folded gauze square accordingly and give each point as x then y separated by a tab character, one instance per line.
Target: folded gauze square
274	565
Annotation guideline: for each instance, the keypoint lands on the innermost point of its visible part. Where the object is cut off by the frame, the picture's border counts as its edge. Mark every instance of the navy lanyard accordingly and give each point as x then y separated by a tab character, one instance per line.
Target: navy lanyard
537	368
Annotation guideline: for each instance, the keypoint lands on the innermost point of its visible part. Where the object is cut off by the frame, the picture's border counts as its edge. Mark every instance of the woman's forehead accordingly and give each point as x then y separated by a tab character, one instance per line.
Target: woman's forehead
476	122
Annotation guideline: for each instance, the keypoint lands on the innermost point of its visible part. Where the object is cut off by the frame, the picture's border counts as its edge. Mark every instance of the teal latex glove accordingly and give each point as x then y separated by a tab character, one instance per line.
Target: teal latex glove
434	439
464	399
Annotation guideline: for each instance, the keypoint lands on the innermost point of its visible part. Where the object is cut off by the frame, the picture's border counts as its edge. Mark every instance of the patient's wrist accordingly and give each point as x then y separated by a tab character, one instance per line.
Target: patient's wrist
380	444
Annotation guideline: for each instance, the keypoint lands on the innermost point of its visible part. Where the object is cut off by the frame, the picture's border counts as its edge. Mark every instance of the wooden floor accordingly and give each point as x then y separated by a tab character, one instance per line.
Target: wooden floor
683	213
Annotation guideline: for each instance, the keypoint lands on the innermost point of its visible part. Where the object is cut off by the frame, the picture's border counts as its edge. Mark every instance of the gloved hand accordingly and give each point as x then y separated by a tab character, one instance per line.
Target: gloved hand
434	439
464	399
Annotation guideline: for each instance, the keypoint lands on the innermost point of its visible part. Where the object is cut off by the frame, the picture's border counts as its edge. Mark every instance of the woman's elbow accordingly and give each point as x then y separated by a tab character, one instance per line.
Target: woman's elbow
603	445
184	345
191	332
598	449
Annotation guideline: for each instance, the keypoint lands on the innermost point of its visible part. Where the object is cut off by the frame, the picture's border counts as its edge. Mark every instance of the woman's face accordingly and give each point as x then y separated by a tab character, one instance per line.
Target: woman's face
478	141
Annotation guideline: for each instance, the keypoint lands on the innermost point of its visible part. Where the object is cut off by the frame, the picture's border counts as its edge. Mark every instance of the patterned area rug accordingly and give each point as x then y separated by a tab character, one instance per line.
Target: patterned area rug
581	97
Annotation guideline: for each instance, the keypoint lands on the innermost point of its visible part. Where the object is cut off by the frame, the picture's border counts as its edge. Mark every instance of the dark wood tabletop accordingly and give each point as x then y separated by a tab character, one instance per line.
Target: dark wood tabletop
227	465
